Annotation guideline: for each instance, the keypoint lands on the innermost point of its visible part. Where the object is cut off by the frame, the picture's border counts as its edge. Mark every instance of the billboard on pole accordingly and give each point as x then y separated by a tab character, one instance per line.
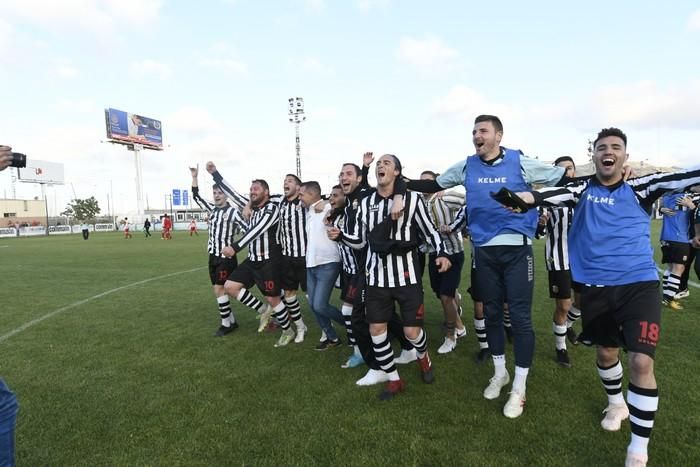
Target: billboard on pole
128	128
38	171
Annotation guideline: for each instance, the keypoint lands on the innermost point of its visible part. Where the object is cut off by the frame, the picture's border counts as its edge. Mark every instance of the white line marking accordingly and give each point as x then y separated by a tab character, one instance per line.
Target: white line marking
4	246
691	283
82	302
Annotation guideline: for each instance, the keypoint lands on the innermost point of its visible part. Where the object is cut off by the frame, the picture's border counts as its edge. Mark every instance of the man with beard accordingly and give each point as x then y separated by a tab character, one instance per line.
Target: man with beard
611	256
502	247
263	266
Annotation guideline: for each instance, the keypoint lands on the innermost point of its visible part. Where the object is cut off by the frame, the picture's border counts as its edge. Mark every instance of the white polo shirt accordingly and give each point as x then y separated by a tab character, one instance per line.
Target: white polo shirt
319	248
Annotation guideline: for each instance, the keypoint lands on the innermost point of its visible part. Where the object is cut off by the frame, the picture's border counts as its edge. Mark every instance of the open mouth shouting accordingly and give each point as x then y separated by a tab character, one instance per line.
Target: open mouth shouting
607	161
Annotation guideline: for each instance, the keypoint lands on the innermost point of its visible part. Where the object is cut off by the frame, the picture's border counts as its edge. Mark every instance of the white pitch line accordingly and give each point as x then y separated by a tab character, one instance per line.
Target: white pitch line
4	246
691	283
84	301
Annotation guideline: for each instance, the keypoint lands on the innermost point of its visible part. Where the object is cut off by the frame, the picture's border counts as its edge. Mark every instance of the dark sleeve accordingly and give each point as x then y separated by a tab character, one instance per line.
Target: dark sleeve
424	186
365	177
400	187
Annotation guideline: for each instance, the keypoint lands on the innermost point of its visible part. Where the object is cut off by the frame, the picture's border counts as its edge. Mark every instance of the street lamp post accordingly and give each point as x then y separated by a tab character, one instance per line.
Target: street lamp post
296	116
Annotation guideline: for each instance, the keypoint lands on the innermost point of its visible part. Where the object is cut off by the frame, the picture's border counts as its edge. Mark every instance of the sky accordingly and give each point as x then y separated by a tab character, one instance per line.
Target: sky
400	76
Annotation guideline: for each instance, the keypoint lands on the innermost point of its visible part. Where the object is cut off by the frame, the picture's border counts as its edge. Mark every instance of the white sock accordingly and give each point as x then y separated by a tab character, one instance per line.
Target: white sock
559	335
499	365
520	379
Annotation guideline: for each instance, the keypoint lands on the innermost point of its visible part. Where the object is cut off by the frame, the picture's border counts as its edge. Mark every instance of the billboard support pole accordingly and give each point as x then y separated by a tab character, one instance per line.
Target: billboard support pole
46	205
139	179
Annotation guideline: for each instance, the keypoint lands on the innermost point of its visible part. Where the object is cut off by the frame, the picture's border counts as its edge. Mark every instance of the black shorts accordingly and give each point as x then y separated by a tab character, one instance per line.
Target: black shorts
446	283
265	274
674	252
627	316
293	273
379	304
560	284
350	287
221	268
473	290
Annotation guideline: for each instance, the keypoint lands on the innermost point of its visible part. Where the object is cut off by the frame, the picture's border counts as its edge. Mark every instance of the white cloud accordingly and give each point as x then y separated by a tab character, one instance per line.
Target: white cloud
192	120
367	5
314	65
221	57
80	105
98	16
429	56
463	104
315	5
694	21
149	68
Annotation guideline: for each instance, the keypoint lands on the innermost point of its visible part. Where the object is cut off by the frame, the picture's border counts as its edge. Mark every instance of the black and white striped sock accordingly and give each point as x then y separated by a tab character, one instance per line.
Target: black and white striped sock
282	315
420	343
671	285
227	318
559	335
643	404
384	355
480	331
572	316
293	306
346	311
249	300
611	377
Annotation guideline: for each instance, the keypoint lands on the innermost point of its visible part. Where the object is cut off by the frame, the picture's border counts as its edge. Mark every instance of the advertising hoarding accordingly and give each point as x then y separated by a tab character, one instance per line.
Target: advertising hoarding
133	129
38	171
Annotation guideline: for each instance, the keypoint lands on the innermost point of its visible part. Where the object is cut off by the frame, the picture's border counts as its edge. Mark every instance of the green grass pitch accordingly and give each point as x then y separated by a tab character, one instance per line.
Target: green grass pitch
108	345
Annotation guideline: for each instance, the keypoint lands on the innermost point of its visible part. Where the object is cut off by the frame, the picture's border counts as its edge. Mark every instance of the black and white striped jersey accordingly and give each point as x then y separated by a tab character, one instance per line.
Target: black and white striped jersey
261	235
291	233
556	248
347	254
443	210
223	224
394	269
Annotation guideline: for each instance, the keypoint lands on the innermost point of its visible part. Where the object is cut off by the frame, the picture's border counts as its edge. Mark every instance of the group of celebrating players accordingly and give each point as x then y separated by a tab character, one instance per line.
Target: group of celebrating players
374	240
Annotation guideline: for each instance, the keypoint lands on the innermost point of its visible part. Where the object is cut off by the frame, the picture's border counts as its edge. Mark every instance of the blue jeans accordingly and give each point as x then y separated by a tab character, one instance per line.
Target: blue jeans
319	282
8	417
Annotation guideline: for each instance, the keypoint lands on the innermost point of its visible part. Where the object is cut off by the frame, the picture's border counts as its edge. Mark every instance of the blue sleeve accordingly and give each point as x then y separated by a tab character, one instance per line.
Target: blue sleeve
454	176
537	172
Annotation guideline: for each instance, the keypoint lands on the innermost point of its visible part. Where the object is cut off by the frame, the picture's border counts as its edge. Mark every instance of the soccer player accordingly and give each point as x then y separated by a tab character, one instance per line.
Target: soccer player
555	224
392	275
349	292
502	247
127	228
443	208
675	246
147	228
263	265
611	255
353	182
224	222
291	236
692	202
167	227
193	228
322	264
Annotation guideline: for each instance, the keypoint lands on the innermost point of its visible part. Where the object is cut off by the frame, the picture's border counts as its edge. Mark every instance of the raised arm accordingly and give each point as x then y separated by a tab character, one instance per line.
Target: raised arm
238	199
202	203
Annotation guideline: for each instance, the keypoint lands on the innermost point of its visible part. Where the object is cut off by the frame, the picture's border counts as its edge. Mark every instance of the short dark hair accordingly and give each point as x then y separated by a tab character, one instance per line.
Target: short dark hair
337	187
262	183
429	172
612	131
563	159
490	118
358	171
312	186
296	179
216	186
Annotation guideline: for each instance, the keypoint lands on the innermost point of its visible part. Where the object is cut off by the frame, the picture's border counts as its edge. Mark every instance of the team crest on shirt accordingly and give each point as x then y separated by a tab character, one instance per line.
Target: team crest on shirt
355	204
373	207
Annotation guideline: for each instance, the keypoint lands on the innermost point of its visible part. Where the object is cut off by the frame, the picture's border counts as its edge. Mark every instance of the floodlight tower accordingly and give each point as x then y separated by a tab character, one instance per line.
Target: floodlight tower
296	116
